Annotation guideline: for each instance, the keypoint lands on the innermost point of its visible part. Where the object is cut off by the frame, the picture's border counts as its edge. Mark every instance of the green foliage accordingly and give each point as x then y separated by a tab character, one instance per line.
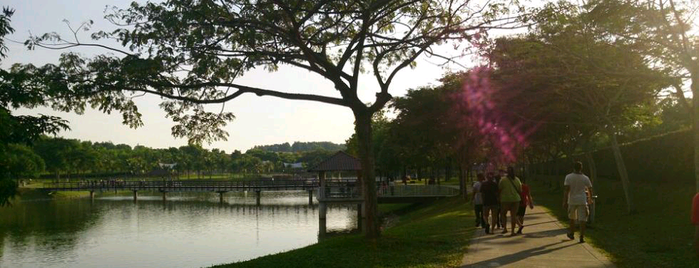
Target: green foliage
665	158
670	115
431	129
86	159
661	30
5	28
22	162
15	160
301	147
660	159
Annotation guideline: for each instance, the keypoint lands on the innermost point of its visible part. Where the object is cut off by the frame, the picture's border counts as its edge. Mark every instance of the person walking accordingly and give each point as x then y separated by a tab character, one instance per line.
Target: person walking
478	200
575	199
496	178
510	189
496	207
489	193
526	200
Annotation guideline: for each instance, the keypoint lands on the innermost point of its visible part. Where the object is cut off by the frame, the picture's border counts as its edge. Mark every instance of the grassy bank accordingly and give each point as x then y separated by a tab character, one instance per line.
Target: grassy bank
431	235
29	193
659	235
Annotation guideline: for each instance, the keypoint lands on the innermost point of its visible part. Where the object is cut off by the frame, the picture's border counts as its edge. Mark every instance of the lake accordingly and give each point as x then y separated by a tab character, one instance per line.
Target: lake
187	230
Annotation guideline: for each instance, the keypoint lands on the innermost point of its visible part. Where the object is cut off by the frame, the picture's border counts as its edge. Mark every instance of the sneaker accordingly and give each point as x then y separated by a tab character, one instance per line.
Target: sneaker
571	236
487	229
519	231
504	231
582	240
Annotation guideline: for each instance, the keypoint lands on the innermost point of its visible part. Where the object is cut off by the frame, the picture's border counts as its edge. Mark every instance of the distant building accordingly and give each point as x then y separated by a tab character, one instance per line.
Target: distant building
298	165
167	166
163	170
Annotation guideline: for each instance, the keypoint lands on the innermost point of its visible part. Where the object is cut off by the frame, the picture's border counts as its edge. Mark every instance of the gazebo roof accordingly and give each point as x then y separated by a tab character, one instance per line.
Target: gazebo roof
340	161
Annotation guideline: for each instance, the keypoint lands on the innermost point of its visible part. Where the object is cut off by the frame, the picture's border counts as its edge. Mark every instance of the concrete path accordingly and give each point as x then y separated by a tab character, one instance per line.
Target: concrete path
543	244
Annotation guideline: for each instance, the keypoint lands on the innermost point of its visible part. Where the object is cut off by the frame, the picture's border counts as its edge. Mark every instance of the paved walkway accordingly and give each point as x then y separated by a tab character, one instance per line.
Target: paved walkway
543	244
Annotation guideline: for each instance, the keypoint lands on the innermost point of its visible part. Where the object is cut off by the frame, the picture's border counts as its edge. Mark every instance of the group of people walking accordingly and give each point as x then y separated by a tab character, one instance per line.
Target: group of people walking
496	195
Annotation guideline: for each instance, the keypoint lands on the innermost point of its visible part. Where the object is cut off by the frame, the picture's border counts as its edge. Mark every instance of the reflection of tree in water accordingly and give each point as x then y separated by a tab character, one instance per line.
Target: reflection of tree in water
264	211
56	224
47	225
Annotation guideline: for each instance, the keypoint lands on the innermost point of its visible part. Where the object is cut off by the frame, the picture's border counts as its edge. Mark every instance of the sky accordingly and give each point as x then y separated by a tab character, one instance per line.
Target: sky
259	120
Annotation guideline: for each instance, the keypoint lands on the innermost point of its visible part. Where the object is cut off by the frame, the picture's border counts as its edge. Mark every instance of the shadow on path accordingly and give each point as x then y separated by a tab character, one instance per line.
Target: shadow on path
545	222
514	257
540	234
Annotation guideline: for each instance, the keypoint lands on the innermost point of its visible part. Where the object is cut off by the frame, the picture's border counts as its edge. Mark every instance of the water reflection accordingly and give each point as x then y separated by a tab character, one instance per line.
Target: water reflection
188	230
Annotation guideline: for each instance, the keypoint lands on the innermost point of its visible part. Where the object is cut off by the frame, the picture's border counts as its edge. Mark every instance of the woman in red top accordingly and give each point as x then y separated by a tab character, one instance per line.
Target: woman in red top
527	200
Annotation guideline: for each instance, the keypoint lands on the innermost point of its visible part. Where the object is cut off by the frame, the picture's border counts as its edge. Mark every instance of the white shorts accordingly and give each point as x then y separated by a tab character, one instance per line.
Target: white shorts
578	212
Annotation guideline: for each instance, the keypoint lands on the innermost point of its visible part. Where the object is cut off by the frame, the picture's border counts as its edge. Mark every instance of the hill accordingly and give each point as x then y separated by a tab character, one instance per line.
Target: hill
301	146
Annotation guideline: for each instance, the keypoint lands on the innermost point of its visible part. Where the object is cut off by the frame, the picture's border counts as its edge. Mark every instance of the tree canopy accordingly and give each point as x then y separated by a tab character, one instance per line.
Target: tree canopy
192	52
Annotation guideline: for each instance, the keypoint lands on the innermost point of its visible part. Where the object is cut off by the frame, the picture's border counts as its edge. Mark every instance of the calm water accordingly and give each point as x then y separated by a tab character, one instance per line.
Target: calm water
189	230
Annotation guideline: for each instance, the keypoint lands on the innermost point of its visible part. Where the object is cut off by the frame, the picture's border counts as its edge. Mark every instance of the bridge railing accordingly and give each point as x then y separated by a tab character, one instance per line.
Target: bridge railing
417	191
353	192
340	190
165	185
333	190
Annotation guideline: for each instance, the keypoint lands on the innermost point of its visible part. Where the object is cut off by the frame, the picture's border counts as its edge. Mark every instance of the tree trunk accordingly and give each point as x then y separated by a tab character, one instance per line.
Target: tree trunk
462	181
621	167
469	173
593	167
366	157
447	170
526	165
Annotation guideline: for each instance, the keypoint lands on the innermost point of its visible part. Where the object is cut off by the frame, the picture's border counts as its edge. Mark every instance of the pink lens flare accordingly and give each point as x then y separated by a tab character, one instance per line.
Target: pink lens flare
485	105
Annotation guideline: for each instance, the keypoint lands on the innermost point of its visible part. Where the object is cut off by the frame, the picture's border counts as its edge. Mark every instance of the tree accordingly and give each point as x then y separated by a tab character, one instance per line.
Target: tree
191	52
596	78
56	154
661	30
23	162
18	129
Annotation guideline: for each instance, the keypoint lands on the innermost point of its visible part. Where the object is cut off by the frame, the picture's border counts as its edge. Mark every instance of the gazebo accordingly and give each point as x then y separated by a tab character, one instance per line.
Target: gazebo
337	191
342	191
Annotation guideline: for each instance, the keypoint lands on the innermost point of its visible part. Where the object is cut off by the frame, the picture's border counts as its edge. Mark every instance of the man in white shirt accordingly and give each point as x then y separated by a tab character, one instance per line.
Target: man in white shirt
575	199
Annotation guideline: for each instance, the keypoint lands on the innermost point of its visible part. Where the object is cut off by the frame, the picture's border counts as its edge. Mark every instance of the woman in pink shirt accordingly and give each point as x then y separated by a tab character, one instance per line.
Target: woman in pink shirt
527	200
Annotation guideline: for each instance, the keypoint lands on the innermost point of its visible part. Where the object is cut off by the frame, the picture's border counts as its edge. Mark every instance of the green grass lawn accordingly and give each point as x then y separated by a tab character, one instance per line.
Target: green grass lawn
431	235
659	235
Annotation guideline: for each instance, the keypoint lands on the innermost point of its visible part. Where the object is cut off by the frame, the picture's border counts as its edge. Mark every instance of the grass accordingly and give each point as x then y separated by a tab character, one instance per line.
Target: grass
70	194
658	235
431	235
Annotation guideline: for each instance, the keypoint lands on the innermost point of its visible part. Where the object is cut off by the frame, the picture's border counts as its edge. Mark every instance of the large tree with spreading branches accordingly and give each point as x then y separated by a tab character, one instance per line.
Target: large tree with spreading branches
191	52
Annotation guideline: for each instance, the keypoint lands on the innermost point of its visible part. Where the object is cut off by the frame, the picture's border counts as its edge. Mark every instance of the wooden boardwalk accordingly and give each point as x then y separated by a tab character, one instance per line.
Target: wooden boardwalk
181	186
335	192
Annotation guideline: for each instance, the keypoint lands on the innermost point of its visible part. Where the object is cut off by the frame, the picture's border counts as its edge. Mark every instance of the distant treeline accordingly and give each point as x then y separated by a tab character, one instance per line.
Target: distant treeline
301	147
68	158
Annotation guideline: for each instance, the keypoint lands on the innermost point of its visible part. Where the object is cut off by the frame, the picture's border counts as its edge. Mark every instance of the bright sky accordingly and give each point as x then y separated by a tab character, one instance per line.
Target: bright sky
259	120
